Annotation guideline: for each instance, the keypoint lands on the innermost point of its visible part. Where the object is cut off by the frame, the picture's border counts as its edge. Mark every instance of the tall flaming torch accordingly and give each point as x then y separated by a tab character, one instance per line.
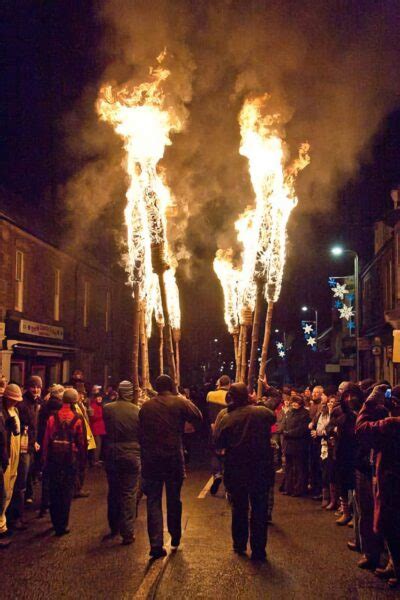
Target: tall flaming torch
175	316
138	115
229	278
273	184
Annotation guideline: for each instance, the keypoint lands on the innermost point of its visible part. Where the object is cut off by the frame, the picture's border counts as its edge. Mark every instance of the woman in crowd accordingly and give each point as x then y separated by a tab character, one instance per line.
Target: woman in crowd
97	426
296	436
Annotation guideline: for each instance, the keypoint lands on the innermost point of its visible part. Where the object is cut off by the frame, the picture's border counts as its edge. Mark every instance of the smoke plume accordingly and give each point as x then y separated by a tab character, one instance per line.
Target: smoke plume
331	70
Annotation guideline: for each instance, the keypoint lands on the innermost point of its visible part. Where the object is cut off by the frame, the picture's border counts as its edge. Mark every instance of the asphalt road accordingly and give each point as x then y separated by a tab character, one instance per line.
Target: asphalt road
307	556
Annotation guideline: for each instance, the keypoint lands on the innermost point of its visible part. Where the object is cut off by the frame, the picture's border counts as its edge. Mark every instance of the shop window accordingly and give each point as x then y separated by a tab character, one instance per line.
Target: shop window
108	310
19	281
86	304
57	287
17	372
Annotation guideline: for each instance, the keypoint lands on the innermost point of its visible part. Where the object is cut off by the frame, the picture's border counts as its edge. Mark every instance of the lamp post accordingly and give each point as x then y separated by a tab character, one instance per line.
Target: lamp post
306	309
339	251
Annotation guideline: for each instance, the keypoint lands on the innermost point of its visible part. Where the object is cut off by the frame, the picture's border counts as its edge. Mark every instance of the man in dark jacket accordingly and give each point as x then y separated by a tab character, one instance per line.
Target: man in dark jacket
244	432
296	439
161	427
121	419
383	436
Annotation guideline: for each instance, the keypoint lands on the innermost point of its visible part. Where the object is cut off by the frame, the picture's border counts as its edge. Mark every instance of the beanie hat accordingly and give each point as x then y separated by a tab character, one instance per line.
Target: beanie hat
13	392
70	396
56	390
125	391
239	394
34	381
224	381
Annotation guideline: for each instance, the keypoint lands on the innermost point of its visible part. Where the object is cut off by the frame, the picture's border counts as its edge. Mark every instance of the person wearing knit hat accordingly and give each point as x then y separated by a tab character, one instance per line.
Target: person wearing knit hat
125	391
63	444
121	420
12	397
296	437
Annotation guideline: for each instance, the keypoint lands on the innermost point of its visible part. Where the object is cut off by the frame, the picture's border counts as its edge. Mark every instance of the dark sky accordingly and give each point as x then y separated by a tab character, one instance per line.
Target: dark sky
54	55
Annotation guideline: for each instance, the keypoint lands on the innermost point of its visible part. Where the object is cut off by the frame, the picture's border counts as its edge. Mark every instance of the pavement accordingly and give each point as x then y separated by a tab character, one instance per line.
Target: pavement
307	555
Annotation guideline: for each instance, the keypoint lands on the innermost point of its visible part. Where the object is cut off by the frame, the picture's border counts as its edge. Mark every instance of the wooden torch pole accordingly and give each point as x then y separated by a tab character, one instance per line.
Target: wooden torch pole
177	338
264	355
159	267
239	354
235	336
246	318
161	347
135	343
255	335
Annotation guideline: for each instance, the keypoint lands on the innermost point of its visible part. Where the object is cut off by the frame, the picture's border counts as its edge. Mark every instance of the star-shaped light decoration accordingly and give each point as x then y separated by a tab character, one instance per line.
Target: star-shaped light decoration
308	329
311	341
282	354
338	304
351	325
279	345
351	297
332	282
346	312
339	291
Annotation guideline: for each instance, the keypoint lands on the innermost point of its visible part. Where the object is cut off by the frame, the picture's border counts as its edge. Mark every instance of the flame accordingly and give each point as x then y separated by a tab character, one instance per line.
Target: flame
139	116
260	229
172	298
273	184
230	282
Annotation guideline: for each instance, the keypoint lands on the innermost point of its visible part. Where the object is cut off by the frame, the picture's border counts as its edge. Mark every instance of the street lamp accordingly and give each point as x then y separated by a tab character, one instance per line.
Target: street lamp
339	251
306	309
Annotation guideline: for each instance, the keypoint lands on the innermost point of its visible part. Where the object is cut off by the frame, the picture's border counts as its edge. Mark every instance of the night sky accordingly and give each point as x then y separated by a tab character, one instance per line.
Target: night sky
54	57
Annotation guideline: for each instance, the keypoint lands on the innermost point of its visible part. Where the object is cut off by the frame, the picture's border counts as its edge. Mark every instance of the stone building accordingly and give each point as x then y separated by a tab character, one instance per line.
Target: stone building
59	312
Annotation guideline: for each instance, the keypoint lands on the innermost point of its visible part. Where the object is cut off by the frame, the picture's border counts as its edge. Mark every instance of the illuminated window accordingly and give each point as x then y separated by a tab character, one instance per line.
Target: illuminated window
57	281
19	281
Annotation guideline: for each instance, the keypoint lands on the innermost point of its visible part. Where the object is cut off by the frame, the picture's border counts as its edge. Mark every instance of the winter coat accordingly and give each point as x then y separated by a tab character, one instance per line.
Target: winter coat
383	436
65	414
3	443
296	434
121	421
244	433
48	409
161	427
96	419
28	411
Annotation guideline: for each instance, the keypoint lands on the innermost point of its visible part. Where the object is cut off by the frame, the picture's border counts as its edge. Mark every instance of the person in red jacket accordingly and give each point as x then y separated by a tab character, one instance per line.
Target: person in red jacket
63	444
97	426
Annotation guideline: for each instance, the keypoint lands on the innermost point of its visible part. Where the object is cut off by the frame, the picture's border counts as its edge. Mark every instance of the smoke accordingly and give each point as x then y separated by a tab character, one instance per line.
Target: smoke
331	71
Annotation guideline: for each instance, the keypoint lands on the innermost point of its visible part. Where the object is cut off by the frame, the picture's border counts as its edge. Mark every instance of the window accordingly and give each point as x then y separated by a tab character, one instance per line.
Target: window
57	278
19	281
108	309
86	304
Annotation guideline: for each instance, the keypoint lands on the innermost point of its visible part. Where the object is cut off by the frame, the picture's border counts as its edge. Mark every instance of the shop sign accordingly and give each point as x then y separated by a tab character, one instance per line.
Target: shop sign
41	330
332	368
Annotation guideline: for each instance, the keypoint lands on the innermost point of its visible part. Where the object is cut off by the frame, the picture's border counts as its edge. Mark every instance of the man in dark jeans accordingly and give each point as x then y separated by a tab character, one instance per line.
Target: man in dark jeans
161	426
121	419
243	430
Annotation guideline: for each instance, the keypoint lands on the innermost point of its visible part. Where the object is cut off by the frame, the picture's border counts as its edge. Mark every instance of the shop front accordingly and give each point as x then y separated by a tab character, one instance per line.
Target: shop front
32	348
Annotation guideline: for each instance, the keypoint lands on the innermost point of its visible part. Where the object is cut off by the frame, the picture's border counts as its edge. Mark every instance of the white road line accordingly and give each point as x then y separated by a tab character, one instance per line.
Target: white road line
206	488
153	574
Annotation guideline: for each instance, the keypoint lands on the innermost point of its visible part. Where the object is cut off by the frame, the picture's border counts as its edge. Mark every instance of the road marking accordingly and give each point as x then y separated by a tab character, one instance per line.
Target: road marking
153	574
206	488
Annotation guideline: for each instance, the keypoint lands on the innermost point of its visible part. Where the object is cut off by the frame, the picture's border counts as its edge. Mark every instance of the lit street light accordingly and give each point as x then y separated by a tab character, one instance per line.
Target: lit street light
306	309
339	251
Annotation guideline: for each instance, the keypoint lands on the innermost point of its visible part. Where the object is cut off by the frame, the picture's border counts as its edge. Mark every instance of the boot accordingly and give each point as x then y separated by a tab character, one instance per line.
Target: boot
333	497
325	498
346	516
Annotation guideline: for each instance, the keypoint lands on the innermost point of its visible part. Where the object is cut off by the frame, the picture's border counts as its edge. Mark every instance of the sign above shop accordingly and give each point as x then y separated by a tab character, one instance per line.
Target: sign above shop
41	330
